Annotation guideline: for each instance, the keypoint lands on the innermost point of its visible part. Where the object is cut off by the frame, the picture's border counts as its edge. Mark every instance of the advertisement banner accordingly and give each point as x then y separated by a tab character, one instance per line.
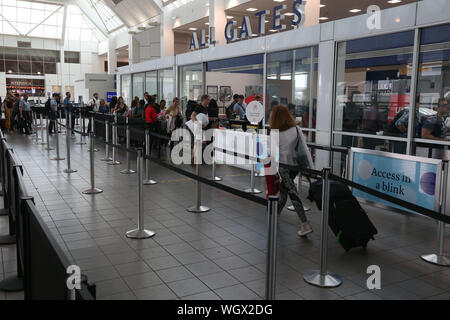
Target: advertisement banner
413	179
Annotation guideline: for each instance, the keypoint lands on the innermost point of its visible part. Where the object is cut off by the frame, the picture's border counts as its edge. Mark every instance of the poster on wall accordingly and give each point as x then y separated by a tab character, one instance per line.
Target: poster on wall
213	92
413	179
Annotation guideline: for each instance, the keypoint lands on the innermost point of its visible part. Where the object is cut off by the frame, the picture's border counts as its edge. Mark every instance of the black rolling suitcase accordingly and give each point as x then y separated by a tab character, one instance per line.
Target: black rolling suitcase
347	219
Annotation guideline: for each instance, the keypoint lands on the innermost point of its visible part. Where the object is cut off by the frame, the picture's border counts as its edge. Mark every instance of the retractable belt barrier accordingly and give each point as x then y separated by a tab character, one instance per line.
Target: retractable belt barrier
316	174
405	204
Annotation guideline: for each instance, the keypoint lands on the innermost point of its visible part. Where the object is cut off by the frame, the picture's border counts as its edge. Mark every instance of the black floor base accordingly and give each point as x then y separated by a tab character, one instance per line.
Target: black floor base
12	284
7	240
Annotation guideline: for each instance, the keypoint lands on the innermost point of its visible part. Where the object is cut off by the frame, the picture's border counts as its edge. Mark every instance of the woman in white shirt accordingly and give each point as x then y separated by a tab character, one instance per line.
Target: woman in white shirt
281	119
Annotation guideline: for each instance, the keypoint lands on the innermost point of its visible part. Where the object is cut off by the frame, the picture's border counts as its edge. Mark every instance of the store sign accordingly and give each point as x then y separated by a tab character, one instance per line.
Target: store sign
246	32
110	95
412	179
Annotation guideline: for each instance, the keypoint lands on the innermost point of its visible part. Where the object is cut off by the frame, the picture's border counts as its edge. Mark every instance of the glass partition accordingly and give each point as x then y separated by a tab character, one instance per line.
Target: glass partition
126	91
151	82
433	91
292	81
373	85
191	84
138	85
166	85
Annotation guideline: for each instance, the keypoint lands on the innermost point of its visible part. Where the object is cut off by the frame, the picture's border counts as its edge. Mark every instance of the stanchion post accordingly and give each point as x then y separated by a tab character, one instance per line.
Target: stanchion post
322	278
198	208
93	131
82	142
42	129
93	189
214	176
440	258
48	148
58	123
148	181
58	156
272	226
68	142
114	161
252	189
140	232
128	169
107	157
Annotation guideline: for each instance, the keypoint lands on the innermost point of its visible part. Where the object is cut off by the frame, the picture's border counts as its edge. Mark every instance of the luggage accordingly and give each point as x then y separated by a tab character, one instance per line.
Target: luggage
347	219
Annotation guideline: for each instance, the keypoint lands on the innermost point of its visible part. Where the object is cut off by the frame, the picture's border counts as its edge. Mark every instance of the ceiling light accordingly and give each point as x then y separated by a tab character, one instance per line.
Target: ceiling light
355	10
271	30
322	5
39	72
230	17
279	0
394	1
207	23
251	9
323	18
192	29
10	71
288	14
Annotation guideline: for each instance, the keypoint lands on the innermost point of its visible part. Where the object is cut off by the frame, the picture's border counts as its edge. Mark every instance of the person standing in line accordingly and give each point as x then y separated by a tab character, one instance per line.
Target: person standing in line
15	113
113	104
68	108
103	108
121	108
25	115
9	106
281	119
54	102
94	103
434	127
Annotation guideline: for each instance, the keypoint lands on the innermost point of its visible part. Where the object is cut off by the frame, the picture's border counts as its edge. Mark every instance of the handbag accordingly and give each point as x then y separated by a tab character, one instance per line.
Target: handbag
302	156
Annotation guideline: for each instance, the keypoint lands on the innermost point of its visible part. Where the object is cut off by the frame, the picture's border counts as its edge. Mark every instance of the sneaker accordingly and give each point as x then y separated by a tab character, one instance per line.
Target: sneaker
305	229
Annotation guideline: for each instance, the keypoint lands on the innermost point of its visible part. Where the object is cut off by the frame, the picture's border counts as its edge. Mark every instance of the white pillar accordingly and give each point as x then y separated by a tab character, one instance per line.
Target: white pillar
61	81
312	12
167	37
134	48
218	20
112	56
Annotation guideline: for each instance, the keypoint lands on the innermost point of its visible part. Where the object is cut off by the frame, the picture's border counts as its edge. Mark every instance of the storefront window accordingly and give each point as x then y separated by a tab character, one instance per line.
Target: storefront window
126	88
151	83
433	86
373	85
166	85
292	81
191	83
138	85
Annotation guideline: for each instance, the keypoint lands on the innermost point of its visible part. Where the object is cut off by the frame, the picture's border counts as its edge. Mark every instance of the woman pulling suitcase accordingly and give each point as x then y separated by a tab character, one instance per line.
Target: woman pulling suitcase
292	152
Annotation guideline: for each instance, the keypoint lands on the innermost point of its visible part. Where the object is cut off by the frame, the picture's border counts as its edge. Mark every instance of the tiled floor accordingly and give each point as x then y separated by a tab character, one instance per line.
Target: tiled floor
218	255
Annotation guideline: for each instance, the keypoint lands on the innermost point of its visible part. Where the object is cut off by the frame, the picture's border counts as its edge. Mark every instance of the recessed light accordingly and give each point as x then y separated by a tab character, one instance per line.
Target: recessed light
252	9
10	71
207	23
322	5
192	29
323	18
267	21
230	17
355	10
271	30
288	14
394	1
278	0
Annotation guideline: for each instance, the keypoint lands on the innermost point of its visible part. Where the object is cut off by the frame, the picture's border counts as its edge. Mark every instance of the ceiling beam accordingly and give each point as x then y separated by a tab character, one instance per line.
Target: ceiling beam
91	15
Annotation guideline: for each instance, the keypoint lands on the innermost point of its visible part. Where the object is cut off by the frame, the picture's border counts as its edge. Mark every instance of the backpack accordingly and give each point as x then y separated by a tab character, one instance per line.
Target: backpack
230	110
190	108
178	121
